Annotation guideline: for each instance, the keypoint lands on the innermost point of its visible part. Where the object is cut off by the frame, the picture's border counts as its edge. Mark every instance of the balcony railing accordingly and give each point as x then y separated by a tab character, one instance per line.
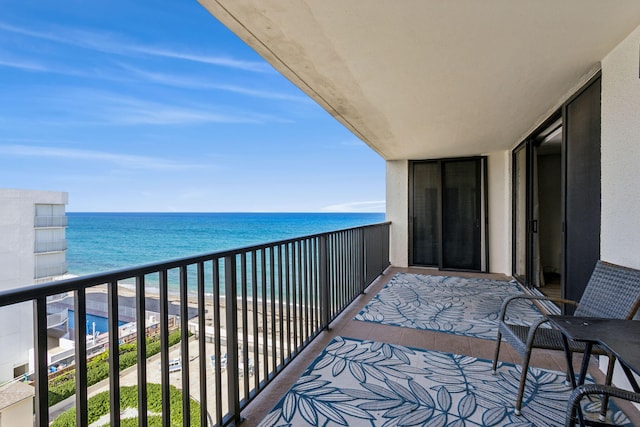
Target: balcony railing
53	270
57	319
51	221
256	308
51	246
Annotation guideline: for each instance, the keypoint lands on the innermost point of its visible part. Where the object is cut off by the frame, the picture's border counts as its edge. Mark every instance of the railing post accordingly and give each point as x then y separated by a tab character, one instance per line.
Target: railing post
142	349
202	346
230	296
41	365
80	335
184	347
164	346
324	285
363	261
114	354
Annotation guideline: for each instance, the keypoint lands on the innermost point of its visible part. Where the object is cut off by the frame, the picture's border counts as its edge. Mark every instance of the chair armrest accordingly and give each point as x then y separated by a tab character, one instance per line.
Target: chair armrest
506	302
588	389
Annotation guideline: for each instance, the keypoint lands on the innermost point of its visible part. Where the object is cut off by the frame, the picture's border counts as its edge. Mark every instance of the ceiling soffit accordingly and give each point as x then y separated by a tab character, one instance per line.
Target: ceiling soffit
426	78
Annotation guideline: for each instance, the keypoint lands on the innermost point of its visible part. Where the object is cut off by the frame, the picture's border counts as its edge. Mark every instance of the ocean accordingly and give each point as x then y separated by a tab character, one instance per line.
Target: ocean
102	242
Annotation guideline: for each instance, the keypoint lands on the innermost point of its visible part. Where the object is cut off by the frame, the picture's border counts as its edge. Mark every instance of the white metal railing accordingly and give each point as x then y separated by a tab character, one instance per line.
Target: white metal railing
51	270
57	319
51	221
51	246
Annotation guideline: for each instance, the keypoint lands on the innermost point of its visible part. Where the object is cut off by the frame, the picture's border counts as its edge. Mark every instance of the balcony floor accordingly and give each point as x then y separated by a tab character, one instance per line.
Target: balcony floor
345	326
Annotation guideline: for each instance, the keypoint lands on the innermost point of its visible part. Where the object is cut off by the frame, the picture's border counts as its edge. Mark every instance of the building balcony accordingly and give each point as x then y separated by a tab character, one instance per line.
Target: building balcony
255	308
233	330
50	246
54	221
53	270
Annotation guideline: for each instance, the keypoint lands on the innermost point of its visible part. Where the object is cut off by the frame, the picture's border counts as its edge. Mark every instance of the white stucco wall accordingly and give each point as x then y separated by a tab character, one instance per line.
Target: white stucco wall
17	268
620	233
499	177
18	414
621	153
397	190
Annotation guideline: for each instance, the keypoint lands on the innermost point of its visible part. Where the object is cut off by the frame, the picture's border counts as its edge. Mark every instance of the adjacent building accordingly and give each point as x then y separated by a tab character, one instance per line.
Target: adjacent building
32	250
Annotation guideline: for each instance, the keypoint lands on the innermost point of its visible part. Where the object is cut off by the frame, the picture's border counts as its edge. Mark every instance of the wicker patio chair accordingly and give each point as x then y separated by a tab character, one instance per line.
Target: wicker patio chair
597	389
613	292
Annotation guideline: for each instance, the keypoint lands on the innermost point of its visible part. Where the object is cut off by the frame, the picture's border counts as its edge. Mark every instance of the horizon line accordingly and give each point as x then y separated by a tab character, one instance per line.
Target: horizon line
229	212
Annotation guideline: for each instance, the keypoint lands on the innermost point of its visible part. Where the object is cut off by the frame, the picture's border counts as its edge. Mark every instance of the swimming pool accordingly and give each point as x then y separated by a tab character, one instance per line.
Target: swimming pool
101	323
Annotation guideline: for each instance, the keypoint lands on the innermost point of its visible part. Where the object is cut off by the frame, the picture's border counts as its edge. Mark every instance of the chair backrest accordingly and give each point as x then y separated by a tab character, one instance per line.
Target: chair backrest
613	292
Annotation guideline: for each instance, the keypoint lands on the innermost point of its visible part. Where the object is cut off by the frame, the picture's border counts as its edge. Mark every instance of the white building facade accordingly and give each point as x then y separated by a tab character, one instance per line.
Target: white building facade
32	250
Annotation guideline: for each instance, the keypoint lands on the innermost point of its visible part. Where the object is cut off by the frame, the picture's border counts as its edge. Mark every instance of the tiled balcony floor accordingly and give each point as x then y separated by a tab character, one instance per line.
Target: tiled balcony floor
347	327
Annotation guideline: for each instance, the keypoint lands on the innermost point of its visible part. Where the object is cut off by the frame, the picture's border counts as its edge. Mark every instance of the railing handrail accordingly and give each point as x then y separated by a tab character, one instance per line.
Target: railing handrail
44	271
51	221
31	292
44	246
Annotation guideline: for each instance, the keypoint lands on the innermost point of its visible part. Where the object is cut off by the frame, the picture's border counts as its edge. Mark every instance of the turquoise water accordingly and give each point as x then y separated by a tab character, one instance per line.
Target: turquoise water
101	242
101	323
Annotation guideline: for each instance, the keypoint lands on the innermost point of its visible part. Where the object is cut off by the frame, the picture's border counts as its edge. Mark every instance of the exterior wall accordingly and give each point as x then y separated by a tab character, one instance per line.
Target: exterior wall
499	188
17	268
620	233
620	238
18	414
398	211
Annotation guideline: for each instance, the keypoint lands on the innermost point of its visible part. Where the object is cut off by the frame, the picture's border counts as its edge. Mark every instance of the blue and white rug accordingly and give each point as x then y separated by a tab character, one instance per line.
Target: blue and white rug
455	305
365	383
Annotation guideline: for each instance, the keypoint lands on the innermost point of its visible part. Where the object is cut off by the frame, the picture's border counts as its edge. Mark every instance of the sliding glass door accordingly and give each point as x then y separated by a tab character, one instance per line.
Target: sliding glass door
447	219
582	193
556	197
425	216
461	214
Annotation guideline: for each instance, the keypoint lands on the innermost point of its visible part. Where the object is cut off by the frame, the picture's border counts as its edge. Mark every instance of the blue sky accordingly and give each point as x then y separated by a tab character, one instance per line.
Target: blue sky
138	105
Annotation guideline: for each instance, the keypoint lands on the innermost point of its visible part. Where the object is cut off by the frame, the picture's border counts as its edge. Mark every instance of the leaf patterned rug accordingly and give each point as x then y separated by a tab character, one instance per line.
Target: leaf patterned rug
366	383
454	305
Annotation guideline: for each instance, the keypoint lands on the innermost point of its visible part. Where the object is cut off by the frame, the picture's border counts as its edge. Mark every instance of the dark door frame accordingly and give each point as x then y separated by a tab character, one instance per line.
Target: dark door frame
527	144
483	198
576	270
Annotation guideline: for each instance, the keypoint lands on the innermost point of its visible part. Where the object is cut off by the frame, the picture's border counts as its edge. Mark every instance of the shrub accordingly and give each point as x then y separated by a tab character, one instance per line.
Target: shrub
99	406
64	386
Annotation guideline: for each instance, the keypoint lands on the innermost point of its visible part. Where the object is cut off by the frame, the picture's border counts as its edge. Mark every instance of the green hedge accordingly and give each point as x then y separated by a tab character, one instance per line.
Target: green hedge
98	368
99	406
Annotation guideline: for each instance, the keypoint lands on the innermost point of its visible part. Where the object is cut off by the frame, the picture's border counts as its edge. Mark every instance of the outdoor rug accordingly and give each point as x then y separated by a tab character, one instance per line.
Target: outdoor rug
366	383
454	305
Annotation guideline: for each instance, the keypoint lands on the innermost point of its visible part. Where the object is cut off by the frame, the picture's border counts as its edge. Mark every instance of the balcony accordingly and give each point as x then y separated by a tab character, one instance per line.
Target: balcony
54	221
235	329
53	270
50	246
255	308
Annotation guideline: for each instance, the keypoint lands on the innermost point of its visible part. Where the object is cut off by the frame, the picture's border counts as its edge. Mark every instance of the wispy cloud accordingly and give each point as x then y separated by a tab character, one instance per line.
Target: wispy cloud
195	83
146	113
22	64
134	112
95	107
123	160
221	61
115	44
369	206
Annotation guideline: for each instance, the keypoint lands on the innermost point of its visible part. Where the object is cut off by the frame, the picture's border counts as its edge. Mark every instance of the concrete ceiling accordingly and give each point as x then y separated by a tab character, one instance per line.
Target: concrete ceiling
421	79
